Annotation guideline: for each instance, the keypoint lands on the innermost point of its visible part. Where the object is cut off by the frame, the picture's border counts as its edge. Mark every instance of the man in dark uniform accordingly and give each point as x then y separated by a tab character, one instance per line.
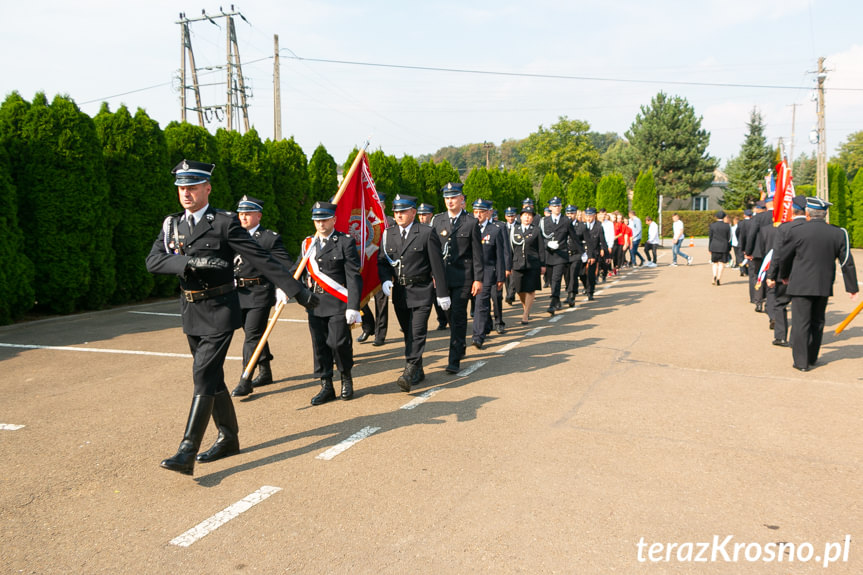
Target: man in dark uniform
575	251
754	250
197	245
333	273
462	255
595	247
424	214
780	296
742	226
510	214
498	292
377	324
807	268
556	232
494	270
257	294
410	266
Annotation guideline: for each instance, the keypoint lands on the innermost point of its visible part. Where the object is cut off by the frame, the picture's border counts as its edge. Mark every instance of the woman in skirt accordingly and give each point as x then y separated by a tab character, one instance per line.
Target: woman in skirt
528	263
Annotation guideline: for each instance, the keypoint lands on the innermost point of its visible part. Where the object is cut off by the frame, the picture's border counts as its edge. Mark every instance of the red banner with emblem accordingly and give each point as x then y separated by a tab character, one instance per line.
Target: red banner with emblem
360	213
784	194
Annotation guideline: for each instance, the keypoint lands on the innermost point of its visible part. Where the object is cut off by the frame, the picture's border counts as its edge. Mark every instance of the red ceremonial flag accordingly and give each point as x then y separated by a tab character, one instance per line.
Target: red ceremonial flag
784	194
360	213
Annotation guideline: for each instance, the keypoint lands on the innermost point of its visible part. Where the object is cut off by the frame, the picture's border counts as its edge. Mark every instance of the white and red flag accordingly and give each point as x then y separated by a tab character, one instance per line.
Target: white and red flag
360	213
784	194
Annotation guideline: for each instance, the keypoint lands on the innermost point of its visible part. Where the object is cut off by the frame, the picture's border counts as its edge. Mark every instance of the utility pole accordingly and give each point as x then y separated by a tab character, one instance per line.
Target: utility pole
488	146
793	122
821	185
186	47
277	92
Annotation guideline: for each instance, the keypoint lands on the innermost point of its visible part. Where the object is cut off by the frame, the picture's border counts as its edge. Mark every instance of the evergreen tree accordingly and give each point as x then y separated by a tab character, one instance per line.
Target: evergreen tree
428	176
291	190
856	187
247	168
551	187
667	136
410	177
746	171
850	155
323	179
581	191
188	142
524	188
477	185
386	173
135	156
611	194
805	169
838	192
16	269
645	201
444	174
65	197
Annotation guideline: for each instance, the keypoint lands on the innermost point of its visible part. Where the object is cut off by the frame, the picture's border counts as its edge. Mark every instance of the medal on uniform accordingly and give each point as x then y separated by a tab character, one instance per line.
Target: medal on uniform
443	233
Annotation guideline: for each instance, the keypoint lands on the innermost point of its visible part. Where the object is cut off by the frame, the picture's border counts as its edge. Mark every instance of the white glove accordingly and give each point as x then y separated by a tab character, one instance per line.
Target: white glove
352	316
387	288
444	302
281	297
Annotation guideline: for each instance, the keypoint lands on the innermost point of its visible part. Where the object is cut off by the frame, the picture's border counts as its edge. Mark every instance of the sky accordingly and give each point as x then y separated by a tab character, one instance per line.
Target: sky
350	71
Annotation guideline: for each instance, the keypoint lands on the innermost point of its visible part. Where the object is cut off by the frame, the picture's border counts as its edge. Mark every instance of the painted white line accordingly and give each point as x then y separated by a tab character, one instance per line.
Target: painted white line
178	315
535	330
555	319
600	291
102	350
508	347
471	368
222	517
347	443
10	426
421	398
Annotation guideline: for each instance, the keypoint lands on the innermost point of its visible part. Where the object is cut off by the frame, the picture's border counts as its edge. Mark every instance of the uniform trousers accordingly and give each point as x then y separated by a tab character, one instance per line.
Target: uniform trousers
755	295
556	273
497	304
331	339
414	323
457	317
780	311
590	276
377	324
482	312
576	271
255	321
208	363
808	313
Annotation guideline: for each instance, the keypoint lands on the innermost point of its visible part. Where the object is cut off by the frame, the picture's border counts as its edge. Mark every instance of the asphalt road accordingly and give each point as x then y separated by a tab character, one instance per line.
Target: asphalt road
631	434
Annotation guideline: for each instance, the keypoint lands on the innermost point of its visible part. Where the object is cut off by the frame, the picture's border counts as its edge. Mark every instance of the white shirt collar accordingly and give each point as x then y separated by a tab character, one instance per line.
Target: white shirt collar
197	215
252	231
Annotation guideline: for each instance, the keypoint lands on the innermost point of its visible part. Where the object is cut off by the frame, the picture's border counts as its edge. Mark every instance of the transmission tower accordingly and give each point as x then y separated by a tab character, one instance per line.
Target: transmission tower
235	86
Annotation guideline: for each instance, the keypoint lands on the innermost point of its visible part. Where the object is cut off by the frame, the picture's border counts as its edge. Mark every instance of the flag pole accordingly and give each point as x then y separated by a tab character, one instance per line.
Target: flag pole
848	319
253	361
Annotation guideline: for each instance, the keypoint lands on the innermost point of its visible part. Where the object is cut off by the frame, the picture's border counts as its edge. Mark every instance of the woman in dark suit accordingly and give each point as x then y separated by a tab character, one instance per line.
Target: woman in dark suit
528	260
719	245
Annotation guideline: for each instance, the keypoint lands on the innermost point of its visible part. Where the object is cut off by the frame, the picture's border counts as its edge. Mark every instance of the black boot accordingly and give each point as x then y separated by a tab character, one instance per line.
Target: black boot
556	303
570	299
347	386
225	418
243	388
327	393
199	416
406	378
265	376
419	375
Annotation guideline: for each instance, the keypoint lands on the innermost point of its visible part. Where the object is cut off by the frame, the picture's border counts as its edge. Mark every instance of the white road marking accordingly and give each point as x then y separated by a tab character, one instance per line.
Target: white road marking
222	517
10	426
508	347
103	350
600	291
535	330
347	443
555	319
421	398
178	315
471	368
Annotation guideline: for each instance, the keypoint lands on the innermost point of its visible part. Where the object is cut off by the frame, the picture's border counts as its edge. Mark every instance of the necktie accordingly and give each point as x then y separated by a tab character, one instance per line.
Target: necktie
191	221
404	234
452	220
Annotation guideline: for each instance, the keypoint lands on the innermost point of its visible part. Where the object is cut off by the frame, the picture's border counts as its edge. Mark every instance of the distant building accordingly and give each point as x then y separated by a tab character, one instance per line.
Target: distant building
706	200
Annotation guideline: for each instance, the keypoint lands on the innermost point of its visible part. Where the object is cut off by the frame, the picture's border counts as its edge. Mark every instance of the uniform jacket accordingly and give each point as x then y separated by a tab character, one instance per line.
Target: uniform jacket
261	295
754	240
493	253
808	259
779	242
420	255
527	248
576	240
560	232
594	241
742	227
507	247
340	261
462	247
218	234
719	237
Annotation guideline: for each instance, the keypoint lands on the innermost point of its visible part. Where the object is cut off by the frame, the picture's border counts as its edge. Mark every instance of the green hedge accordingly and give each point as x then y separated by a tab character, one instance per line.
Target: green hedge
695	223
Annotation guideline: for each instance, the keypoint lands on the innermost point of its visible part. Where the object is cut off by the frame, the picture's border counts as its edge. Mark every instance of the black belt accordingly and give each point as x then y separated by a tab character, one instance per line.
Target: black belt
201	295
409	281
248	282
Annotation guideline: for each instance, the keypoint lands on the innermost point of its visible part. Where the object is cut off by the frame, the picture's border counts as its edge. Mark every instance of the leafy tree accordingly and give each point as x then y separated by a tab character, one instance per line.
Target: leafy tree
16	269
564	148
611	194
387	175
551	187
838	192
141	188
667	137
602	142
620	159
291	190
64	194
645	201
188	142
477	185
323	180
857	211
581	191
746	171
851	154
805	169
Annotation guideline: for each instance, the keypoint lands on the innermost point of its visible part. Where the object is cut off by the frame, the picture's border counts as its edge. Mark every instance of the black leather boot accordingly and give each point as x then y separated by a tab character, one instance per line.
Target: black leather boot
225	418
406	378
347	386
327	393
265	376
243	388
419	375
570	299
199	416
